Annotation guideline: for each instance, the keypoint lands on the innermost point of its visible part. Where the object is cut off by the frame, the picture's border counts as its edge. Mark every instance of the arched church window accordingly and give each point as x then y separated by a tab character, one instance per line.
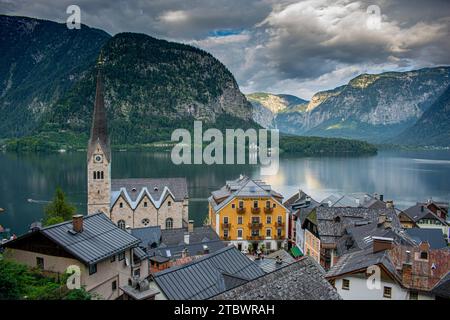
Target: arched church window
121	205
121	224
145	222
169	223
169	203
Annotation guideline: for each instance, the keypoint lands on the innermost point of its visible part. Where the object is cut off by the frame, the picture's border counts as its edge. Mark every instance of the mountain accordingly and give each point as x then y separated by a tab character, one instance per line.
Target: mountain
40	61
267	105
372	107
433	127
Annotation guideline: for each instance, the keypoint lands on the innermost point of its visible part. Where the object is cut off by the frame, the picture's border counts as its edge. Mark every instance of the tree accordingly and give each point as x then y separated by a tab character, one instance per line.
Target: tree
59	209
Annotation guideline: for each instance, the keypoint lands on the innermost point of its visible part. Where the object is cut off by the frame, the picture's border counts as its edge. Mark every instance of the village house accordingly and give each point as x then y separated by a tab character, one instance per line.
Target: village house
249	212
205	277
406	272
129	202
324	227
108	257
426	218
172	247
356	200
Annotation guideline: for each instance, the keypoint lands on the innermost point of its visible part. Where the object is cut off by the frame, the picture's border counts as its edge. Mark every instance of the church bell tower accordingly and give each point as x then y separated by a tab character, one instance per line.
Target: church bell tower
99	154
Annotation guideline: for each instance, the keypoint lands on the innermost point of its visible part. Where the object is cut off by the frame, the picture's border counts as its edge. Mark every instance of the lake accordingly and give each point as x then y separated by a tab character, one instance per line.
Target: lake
28	181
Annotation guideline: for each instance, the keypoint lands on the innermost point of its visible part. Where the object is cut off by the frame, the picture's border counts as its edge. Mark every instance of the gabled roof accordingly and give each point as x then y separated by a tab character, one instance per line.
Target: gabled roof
242	187
442	288
156	189
357	199
420	211
99	128
99	240
207	276
148	235
301	280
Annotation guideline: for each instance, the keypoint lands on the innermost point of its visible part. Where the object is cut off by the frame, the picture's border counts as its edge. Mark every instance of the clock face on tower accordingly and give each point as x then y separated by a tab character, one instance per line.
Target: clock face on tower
98	158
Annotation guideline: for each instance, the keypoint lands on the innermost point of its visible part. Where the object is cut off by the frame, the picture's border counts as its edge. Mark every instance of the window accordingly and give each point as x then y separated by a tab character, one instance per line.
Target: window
95	175
121	205
269	245
114	285
268	204
424	255
274	205
241	204
268	232
92	268
121	255
225	220
413	295
239	220
145	204
40	263
233	206
137	272
121	224
279	232
113	258
225	233
239	233
255	204
101	175
169	203
255	219
255	232
387	292
345	284
269	220
145	221
169	223
280	219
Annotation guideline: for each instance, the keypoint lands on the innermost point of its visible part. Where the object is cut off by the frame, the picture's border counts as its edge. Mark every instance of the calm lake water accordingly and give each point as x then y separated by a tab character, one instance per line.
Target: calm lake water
28	181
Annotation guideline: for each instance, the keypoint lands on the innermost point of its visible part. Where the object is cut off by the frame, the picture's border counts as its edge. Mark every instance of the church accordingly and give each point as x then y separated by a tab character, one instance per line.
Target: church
129	203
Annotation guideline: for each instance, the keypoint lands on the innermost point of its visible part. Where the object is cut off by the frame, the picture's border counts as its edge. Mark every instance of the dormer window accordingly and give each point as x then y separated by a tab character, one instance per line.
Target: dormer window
133	190
155	188
424	255
145	204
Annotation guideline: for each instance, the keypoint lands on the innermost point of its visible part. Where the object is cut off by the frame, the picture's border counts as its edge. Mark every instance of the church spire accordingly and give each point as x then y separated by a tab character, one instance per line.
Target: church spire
99	129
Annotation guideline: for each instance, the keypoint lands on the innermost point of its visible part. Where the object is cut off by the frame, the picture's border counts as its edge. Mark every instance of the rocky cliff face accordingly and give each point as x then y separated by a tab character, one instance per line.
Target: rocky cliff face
369	107
39	62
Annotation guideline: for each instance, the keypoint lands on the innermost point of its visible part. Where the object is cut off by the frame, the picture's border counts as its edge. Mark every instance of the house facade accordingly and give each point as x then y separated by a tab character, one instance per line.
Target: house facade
107	257
248	212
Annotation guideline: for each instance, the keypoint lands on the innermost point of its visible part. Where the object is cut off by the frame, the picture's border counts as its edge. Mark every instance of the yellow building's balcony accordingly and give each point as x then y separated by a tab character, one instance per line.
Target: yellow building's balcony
255	238
256	210
268	210
255	225
279	224
226	225
240	210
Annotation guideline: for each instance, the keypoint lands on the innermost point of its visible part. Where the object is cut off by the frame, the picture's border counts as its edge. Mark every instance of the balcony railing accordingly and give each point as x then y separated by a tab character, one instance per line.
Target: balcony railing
255	225
256	210
226	225
255	238
268	210
240	210
279	224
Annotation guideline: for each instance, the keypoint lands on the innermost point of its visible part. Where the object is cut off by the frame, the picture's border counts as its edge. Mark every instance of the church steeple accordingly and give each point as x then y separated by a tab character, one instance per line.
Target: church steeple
99	129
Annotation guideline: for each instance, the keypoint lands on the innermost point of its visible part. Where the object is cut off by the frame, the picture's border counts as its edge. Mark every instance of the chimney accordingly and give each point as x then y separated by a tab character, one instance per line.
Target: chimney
184	253
406	274
382	244
381	219
421	208
77	223
186	238
191	226
389	204
381	197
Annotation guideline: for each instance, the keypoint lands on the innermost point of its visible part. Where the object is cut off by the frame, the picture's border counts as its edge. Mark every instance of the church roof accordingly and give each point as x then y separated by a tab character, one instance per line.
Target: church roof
99	129
156	189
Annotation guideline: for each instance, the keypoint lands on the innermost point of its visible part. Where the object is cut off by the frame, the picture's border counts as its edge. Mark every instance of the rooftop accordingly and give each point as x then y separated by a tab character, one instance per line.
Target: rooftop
434	237
301	280
207	276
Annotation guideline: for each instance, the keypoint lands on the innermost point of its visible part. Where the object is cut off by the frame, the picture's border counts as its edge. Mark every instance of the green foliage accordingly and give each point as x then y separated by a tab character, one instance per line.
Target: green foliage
18	282
59	209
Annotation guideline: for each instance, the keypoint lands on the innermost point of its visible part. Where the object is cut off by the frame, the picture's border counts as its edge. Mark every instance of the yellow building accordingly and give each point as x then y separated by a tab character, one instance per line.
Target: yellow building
247	211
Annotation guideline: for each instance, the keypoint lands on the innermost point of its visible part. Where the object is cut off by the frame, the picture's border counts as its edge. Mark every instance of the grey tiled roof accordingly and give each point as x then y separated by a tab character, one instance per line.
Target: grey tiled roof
442	288
147	235
172	242
333	221
420	211
354	200
100	238
301	280
207	276
434	237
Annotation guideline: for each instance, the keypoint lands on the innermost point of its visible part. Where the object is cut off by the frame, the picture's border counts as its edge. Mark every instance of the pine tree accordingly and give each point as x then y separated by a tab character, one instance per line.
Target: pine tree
59	209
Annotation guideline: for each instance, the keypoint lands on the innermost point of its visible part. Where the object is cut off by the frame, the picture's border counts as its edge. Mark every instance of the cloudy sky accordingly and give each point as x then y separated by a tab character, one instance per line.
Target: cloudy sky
284	46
